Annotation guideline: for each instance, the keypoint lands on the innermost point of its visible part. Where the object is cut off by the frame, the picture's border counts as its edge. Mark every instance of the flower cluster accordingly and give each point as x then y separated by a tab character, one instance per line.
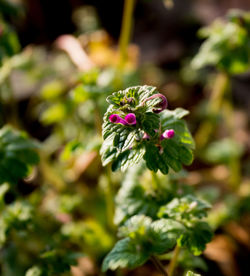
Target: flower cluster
167	134
138	125
130	119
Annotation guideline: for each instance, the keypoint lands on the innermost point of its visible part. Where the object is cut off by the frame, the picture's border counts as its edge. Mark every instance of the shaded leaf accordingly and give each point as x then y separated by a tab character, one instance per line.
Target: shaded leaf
17	153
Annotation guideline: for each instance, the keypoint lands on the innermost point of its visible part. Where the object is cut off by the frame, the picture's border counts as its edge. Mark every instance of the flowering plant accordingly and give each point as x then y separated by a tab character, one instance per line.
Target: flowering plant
138	126
155	219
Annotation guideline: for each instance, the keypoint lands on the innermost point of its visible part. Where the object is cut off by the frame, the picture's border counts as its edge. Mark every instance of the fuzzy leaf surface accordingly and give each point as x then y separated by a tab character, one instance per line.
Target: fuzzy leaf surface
142	239
196	237
124	254
185	209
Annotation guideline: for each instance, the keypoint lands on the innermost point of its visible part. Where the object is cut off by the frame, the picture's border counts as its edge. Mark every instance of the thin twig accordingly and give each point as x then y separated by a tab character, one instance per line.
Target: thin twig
159	265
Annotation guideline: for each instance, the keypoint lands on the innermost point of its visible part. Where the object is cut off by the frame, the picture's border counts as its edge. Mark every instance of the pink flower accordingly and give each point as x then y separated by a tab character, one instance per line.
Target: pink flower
167	134
116	119
160	106
130	119
145	136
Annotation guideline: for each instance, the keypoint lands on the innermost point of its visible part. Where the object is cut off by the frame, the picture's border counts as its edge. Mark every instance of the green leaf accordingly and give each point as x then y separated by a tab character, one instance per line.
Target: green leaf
34	271
3	189
156	160
16	216
128	158
196	237
190	273
124	254
226	45
90	234
57	112
9	44
17	153
185	209
71	148
143	238
172	119
137	196
223	151
156	237
188	261
52	90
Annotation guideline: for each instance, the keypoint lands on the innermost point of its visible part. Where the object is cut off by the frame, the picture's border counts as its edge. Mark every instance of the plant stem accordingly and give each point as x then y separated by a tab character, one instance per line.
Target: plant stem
110	199
159	265
155	181
204	132
234	164
50	174
98	118
173	262
125	31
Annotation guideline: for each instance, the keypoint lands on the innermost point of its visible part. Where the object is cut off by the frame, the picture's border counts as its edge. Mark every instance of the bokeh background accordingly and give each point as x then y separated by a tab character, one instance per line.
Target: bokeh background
58	62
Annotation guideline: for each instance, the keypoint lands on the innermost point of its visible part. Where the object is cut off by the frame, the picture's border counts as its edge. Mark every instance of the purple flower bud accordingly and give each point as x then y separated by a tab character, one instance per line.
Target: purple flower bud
167	134
130	119
160	106
145	136
116	119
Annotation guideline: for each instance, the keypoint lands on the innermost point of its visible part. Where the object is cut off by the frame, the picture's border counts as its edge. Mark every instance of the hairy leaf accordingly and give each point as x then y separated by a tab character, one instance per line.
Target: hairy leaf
196	237
142	238
125	254
185	209
138	196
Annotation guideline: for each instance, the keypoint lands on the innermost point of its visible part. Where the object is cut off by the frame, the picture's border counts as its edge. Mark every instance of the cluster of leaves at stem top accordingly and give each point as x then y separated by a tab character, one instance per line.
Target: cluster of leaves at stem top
126	144
227	44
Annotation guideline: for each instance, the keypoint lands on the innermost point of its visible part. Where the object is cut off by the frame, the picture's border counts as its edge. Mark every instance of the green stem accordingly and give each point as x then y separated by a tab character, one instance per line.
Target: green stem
159	265
155	181
173	261
125	31
234	164
98	118
110	199
215	103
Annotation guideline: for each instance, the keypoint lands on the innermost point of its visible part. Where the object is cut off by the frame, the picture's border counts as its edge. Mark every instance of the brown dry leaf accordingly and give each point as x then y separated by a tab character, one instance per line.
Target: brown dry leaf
73	48
239	233
222	251
88	162
85	267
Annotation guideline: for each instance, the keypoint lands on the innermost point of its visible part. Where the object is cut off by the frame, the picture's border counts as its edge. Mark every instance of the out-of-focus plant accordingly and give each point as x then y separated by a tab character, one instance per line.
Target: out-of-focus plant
226	48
